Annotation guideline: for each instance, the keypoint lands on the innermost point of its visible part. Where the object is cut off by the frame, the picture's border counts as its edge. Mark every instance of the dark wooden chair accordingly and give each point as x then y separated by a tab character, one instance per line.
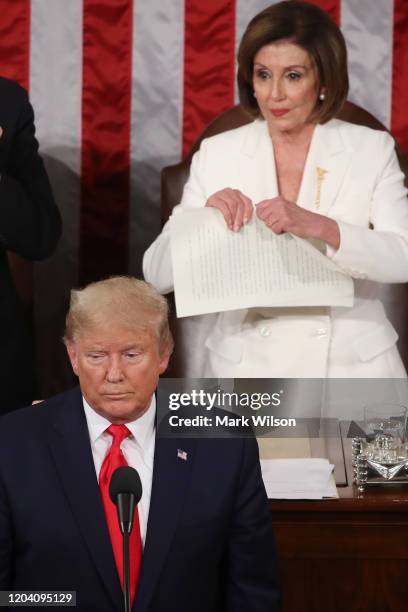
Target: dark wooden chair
173	179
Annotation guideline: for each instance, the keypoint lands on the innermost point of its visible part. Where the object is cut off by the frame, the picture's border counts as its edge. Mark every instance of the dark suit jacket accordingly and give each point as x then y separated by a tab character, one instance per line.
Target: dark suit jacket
30	226
209	544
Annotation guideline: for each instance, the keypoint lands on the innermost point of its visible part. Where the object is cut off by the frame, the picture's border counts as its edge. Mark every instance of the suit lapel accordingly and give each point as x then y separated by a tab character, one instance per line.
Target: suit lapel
71	451
171	476
325	167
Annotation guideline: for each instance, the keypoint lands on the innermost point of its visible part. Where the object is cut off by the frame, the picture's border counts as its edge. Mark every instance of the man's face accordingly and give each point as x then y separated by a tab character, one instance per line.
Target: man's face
118	370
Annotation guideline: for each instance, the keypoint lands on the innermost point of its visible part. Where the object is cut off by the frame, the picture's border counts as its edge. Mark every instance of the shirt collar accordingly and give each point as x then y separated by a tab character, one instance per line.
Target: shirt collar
141	429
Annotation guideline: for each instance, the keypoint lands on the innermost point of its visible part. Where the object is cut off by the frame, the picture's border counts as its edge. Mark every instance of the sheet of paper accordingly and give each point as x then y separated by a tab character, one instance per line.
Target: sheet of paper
284	448
216	269
298	478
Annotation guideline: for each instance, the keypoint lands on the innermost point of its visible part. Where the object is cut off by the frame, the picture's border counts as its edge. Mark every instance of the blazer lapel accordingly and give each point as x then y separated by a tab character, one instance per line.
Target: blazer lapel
71	450
324	171
325	167
171	475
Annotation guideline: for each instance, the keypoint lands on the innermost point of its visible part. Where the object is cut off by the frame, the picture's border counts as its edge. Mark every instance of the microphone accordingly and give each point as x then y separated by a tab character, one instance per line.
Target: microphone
125	491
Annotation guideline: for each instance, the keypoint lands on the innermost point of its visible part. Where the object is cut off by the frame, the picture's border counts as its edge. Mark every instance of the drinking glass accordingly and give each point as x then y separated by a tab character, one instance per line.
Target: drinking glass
385	426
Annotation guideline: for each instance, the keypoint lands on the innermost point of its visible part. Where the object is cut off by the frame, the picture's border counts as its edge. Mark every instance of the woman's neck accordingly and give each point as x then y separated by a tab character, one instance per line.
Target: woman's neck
299	137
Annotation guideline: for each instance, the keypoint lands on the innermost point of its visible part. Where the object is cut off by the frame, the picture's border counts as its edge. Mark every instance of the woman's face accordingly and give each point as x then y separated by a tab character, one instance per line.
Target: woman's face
286	86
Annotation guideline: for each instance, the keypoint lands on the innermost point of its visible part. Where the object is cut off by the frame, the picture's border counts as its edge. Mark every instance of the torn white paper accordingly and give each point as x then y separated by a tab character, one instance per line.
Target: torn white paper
216	269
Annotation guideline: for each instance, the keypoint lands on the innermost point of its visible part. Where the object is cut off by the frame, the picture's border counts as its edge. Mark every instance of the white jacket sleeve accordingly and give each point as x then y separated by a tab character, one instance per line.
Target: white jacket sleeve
379	253
157	267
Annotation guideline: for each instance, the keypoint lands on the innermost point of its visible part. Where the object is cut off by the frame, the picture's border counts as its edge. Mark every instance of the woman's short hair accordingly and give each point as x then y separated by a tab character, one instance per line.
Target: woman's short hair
311	29
123	301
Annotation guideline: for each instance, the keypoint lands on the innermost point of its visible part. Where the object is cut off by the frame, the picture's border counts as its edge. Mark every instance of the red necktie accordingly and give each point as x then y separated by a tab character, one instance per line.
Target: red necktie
114	459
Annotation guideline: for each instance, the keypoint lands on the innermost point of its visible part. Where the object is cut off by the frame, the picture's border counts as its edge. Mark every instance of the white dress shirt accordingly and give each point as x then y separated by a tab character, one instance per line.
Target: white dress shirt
138	450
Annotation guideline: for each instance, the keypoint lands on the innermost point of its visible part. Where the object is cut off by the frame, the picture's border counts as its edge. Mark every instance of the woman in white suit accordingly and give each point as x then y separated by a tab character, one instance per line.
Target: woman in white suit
300	171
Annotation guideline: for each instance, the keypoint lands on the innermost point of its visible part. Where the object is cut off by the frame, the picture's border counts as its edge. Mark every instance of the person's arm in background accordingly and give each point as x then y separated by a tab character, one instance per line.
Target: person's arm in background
30	222
381	253
251	575
235	206
157	267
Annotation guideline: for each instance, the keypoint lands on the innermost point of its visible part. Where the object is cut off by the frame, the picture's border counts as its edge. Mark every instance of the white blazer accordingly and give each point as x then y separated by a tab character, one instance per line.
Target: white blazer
363	191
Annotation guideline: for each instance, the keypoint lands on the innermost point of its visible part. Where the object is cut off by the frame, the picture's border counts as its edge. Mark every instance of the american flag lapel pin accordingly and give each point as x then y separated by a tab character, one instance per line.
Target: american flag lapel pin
181	454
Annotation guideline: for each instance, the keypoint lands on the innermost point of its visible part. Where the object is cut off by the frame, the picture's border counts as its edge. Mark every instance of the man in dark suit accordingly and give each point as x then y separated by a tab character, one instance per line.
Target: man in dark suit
203	522
30	226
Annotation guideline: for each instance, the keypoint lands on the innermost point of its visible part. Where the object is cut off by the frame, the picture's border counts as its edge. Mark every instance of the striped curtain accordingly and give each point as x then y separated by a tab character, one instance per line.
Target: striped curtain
122	87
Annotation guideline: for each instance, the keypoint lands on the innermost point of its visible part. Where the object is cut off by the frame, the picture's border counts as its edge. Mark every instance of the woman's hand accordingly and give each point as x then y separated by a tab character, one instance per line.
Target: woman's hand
236	208
282	216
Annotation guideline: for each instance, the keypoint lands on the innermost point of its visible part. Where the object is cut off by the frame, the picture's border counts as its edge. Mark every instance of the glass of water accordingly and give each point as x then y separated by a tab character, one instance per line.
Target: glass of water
385	426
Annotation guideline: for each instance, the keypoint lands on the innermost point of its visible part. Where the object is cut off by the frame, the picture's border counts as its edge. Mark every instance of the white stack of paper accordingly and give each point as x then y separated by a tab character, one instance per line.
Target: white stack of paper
216	269
298	478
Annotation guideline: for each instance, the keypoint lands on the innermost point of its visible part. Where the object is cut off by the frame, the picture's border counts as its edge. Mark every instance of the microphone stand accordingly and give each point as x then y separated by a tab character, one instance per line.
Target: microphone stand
126	572
126	507
125	491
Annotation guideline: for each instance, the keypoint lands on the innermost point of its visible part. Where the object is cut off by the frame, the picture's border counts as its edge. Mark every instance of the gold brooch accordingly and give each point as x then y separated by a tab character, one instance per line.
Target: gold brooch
320	174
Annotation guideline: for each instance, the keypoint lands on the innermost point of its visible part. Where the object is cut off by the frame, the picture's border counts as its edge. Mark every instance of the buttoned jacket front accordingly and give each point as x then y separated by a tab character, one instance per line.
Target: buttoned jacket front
363	191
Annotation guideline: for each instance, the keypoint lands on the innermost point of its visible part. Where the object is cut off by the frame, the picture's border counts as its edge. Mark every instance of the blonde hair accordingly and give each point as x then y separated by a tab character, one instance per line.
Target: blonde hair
122	300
